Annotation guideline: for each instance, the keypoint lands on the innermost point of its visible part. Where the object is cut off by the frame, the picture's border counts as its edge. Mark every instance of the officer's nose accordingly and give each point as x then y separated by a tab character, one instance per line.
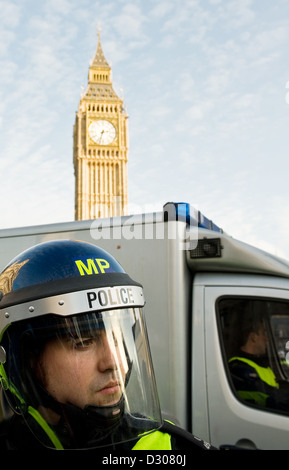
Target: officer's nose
107	356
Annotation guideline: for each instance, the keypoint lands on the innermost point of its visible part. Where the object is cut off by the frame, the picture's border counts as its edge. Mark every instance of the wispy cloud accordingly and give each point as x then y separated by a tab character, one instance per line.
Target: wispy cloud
204	85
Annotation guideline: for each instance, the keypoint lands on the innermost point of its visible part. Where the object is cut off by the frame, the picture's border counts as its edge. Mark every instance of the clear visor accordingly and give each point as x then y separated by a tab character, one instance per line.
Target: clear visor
88	379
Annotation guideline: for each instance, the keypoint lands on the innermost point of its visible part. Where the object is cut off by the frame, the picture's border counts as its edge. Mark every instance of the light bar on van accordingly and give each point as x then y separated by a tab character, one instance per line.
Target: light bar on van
183	211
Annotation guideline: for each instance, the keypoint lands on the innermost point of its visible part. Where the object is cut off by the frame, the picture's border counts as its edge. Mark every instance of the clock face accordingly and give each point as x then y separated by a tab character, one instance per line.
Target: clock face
102	132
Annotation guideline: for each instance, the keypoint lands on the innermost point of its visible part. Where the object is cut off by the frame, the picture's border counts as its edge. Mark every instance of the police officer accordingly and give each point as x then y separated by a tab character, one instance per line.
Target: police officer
75	362
252	376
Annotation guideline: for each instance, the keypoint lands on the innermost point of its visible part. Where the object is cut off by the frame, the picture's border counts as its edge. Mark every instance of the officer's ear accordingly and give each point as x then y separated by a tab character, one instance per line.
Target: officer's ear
252	337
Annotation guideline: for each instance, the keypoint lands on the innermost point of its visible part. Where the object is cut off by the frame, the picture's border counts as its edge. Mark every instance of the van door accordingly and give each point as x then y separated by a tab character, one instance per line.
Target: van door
247	387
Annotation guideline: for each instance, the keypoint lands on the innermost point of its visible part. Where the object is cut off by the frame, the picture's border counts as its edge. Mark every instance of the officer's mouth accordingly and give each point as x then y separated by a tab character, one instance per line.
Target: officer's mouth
110	388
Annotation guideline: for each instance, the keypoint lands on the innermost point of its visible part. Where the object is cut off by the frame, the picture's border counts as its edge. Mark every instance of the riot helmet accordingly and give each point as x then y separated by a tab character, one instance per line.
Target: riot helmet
74	353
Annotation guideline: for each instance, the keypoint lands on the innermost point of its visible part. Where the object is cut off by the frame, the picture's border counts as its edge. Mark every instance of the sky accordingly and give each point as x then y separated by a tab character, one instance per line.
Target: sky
206	87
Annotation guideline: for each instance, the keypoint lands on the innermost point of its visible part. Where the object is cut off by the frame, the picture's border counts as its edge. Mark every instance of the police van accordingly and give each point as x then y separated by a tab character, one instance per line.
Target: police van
200	284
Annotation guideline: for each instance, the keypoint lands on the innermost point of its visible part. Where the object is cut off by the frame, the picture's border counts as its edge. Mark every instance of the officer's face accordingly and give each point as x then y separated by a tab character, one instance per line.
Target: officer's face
261	341
82	372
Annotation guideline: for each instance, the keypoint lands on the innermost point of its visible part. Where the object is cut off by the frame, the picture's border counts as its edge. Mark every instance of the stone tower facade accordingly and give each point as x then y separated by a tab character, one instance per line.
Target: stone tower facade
100	146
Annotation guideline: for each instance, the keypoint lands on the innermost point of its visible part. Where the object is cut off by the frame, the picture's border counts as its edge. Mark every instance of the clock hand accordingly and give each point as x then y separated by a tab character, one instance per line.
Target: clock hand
102	132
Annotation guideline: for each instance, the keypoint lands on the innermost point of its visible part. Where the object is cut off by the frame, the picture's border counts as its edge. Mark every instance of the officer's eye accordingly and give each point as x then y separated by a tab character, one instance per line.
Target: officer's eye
83	343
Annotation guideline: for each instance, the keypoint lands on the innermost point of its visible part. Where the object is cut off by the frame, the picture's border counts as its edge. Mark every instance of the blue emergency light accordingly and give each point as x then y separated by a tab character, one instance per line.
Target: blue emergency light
183	211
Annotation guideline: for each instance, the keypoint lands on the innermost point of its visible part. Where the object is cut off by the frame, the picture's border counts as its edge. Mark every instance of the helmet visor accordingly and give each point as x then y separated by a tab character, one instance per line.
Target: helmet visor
86	380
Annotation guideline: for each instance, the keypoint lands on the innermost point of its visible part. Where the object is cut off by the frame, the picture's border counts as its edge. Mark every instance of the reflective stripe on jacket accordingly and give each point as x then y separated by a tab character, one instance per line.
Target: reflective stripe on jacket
265	373
155	441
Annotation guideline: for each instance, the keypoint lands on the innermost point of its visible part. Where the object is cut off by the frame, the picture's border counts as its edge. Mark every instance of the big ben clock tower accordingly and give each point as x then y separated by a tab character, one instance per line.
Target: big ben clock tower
100	146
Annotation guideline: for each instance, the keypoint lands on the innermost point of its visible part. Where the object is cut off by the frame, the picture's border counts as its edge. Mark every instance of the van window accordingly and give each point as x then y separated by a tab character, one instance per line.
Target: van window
255	340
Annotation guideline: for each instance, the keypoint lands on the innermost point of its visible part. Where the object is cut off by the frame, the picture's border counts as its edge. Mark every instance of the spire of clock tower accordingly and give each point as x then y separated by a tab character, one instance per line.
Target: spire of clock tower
100	149
99	60
99	74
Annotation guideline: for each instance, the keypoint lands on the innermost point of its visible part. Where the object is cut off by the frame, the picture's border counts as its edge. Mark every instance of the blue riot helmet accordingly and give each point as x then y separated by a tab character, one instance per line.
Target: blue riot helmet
74	353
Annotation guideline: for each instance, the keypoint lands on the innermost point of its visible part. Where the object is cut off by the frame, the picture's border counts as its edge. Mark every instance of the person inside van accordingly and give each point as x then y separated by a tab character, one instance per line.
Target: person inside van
252	376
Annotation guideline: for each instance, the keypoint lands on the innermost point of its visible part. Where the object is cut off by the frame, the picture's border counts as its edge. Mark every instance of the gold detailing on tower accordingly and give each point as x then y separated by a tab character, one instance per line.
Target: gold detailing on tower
100	147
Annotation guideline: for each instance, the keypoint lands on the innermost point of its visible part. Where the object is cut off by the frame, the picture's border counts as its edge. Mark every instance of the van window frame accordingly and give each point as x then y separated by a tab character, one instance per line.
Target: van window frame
277	368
